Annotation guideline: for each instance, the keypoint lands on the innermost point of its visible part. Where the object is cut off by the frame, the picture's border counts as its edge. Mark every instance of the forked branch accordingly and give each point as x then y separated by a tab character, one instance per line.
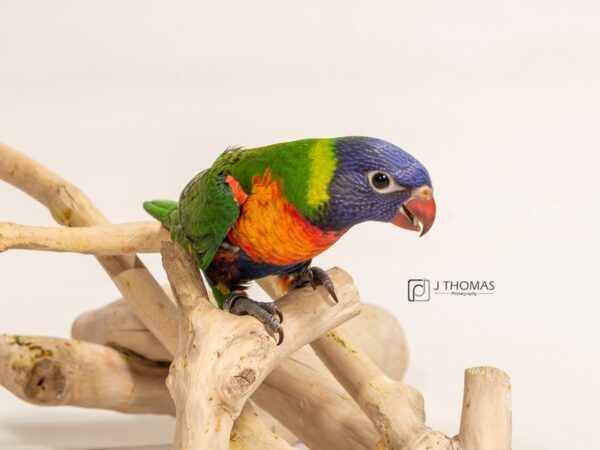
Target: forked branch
222	358
71	207
397	410
300	391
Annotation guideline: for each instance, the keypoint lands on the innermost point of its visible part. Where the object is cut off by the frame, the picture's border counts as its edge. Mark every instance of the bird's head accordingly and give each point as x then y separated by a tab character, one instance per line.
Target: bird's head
375	180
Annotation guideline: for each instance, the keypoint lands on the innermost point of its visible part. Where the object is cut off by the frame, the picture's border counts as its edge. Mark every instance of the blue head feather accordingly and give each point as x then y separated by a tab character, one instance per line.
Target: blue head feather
352	198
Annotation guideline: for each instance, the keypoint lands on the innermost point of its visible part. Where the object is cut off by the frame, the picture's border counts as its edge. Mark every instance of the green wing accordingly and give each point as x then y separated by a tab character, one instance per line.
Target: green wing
163	210
207	209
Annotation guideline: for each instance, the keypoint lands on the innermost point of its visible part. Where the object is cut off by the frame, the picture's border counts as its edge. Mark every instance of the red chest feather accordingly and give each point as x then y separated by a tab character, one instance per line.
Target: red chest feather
270	229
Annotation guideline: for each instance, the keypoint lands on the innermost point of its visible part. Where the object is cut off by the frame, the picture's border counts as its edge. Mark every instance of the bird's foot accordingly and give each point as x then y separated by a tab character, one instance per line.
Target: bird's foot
314	275
267	313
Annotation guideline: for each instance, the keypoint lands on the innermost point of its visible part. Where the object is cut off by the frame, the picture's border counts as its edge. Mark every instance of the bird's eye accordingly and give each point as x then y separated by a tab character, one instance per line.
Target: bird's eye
380	180
383	182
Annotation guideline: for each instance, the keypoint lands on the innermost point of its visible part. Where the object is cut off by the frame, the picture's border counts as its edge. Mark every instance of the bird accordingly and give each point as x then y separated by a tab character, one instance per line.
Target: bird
270	210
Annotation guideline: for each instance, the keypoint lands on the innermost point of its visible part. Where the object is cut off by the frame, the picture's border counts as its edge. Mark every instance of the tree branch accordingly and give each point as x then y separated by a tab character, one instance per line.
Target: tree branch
70	207
223	358
486	411
122	239
52	371
249	432
397	410
300	391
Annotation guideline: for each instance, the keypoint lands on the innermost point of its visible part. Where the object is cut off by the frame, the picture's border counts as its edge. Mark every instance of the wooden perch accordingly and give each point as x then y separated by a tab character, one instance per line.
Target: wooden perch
222	358
300	390
249	432
51	371
486	420
122	239
71	207
312	404
375	330
116	324
397	410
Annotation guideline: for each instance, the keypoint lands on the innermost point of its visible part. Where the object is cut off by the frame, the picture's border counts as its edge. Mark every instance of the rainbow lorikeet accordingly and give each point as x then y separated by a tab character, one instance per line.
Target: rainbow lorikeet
270	210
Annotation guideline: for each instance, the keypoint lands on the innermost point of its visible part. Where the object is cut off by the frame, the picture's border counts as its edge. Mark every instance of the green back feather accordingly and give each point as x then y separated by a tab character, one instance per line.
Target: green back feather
161	210
207	208
304	168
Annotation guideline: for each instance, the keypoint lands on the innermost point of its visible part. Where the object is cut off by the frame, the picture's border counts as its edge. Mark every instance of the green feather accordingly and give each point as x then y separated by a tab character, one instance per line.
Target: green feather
161	210
304	168
207	208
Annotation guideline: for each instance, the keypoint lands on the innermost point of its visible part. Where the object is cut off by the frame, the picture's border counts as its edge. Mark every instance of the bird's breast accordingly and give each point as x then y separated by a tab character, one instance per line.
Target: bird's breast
271	230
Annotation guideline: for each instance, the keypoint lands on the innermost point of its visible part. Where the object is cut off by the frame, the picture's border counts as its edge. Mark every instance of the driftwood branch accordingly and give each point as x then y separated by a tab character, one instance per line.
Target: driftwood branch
486	410
222	358
116	324
51	371
312	404
375	330
122	239
71	207
249	432
397	410
300	390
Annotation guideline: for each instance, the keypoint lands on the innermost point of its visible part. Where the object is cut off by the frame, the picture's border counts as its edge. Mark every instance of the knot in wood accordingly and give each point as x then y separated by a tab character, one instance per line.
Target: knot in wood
46	382
243	380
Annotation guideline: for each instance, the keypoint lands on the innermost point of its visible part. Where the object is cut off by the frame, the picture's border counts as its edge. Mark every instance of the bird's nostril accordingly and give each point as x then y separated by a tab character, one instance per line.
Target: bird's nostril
424	192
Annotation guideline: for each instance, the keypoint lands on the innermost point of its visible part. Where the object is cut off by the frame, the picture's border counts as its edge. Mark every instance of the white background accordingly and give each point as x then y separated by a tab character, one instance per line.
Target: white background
499	100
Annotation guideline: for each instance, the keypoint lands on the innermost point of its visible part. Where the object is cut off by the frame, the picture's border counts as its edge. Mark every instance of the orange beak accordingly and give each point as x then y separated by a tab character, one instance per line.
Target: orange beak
418	212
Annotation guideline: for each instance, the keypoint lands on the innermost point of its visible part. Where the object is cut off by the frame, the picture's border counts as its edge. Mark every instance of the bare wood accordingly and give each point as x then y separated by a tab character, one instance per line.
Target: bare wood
375	330
397	410
71	207
52	371
271	423
222	358
486	411
116	324
378	332
400	422
48	371
300	390
129	334
313	405
250	433
67	204
121	239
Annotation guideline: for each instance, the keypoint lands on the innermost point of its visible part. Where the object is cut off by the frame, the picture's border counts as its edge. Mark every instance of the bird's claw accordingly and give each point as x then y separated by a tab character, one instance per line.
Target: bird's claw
267	313
272	308
314	275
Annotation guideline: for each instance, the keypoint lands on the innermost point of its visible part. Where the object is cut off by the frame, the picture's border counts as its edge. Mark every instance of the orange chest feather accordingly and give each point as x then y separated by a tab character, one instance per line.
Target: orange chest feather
270	229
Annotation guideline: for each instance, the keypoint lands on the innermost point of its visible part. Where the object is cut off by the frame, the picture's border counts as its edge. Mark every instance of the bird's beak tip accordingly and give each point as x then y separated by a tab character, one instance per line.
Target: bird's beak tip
417	214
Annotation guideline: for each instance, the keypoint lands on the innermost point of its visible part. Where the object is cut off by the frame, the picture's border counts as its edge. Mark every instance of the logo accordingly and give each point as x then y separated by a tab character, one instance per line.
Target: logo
419	290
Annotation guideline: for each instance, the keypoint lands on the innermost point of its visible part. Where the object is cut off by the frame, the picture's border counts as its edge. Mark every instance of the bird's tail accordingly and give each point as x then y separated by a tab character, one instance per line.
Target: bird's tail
162	211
